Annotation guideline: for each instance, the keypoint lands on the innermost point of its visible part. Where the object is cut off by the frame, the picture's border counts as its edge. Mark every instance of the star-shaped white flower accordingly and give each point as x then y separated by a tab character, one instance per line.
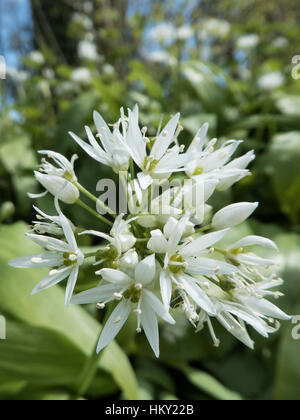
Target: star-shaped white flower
185	262
131	291
63	257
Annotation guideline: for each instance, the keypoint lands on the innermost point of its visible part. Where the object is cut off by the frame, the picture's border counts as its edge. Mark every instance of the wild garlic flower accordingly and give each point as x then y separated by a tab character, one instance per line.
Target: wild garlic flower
209	163
57	180
183	261
121	240
113	151
62	256
166	255
132	291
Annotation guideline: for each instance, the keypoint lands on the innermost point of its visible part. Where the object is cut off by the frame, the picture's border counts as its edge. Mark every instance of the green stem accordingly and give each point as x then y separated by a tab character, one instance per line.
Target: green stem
90	255
132	172
220	251
204	229
143	240
94	213
93	198
88	374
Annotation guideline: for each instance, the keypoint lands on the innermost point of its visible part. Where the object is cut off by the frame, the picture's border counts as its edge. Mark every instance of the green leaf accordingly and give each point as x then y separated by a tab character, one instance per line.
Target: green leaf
47	309
39	356
282	164
211	386
288	370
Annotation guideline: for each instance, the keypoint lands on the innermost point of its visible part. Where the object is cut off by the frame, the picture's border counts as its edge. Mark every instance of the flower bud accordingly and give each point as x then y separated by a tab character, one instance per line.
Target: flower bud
233	215
59	187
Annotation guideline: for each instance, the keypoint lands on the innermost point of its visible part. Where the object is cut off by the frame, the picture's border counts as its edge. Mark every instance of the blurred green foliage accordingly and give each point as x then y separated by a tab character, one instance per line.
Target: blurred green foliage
224	62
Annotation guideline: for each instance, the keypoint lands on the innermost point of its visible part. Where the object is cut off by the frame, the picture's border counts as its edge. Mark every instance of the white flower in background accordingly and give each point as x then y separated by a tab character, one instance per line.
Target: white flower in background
83	20
184	32
161	57
81	75
18	76
163	32
133	292
36	57
63	257
113	151
271	81
108	69
66	88
87	51
280	42
248	42
218	28
57	180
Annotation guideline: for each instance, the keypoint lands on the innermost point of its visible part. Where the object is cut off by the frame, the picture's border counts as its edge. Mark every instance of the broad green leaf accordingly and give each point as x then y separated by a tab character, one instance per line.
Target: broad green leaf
211	386
39	356
282	164
47	309
287	383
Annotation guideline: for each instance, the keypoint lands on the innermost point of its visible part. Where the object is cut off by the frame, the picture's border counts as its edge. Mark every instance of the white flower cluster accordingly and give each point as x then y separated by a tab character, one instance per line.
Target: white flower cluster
169	259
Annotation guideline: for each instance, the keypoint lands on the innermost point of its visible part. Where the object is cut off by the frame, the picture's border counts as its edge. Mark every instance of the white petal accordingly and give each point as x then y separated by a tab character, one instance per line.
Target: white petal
170	226
34	196
144	180
137	145
47	241
209	267
258	324
71	285
198	142
150	326
145	270
48	259
90	150
237	331
166	288
115	276
254	240
98	234
98	294
264	307
233	215
104	131
158	242
67	228
177	234
197	294
157	306
103	156
58	187
165	138
206	241
249	259
114	324
50	281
